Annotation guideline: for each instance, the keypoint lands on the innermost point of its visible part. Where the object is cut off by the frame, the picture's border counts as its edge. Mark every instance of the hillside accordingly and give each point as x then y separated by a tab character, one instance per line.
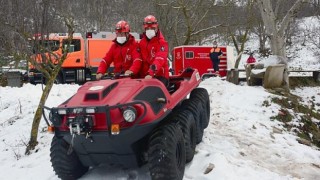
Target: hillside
253	133
241	142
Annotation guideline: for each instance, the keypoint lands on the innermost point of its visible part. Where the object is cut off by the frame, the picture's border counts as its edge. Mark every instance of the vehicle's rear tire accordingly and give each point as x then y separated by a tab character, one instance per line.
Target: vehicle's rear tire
66	166
166	153
58	79
186	121
203	95
193	107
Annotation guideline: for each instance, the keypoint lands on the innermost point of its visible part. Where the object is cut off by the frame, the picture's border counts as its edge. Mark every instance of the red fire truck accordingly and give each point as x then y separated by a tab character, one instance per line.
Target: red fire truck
83	58
198	57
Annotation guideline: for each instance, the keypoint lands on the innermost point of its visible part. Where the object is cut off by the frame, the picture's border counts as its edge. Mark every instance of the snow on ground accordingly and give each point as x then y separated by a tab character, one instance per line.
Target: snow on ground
241	142
310	95
304	53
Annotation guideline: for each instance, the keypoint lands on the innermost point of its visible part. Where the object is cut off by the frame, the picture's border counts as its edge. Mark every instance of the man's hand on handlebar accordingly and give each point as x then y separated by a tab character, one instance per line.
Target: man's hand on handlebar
148	77
99	76
128	72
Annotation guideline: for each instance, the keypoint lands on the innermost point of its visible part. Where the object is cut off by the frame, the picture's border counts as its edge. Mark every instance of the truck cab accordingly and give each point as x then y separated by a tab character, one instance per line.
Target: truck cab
82	60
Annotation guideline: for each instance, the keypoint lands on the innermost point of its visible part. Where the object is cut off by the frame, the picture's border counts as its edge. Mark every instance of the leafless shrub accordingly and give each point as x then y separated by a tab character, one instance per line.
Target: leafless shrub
18	148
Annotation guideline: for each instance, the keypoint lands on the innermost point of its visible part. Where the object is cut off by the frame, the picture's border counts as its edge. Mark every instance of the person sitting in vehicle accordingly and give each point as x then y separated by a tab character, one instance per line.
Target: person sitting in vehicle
123	53
154	52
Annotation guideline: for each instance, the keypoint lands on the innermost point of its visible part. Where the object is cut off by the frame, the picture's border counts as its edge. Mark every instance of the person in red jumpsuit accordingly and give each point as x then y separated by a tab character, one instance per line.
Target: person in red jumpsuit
154	52
251	59
123	53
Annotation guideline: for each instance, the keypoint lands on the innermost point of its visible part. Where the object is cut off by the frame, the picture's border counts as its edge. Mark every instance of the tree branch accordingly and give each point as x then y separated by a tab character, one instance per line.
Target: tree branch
205	29
289	16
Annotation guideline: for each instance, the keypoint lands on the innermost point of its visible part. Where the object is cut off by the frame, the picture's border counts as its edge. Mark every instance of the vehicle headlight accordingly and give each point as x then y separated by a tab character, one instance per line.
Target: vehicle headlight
90	110
129	114
77	110
62	111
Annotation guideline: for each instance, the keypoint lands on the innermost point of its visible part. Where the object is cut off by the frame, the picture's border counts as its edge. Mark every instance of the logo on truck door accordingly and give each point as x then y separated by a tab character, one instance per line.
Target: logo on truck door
197	76
178	55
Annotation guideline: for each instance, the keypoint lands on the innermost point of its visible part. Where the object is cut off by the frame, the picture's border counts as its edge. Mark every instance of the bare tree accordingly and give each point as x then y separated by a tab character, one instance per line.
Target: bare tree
183	21
50	72
260	30
239	25
14	16
311	33
51	62
275	26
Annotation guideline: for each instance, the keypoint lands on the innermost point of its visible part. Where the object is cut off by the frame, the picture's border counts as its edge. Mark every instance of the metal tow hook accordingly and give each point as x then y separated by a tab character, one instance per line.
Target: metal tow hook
88	136
70	150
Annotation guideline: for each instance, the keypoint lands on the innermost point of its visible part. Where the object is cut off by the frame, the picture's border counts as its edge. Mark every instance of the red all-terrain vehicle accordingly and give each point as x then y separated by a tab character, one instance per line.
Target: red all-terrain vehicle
130	122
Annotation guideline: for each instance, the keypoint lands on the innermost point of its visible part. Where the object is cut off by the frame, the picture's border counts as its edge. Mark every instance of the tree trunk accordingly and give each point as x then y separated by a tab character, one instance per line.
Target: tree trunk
240	49
275	26
51	76
37	118
261	32
278	46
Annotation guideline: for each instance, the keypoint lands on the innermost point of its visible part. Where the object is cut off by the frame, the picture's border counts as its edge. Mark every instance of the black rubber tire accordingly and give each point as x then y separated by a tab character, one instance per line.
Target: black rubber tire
193	107
203	95
203	113
66	166
185	120
58	79
166	153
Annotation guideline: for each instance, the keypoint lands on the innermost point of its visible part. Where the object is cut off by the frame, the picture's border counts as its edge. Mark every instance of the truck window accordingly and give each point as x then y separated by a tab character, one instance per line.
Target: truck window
74	46
189	54
46	46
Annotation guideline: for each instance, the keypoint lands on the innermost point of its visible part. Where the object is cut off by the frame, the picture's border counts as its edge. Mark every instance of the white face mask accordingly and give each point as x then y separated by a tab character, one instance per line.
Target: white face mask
150	33
121	40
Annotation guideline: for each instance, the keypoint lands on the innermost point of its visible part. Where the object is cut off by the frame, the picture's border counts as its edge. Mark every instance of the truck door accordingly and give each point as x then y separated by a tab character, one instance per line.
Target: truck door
75	58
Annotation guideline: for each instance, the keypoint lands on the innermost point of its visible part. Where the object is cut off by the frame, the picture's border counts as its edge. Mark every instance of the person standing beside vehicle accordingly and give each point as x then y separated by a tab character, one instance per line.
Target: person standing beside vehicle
154	52
123	53
215	55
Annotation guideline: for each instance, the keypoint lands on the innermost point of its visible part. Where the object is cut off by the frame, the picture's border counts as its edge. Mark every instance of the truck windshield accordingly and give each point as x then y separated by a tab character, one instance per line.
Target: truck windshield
74	46
46	46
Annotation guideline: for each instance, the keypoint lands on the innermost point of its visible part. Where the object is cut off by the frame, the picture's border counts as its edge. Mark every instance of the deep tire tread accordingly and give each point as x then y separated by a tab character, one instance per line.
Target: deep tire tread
193	106
185	120
66	166
162	153
202	95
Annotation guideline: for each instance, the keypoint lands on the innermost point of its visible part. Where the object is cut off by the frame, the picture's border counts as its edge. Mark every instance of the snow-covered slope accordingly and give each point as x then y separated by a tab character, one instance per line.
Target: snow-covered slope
241	142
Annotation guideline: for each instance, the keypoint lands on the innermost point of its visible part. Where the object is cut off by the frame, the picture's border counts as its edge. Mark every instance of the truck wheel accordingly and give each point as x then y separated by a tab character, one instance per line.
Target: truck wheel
166	153
187	124
193	107
58	80
203	96
66	166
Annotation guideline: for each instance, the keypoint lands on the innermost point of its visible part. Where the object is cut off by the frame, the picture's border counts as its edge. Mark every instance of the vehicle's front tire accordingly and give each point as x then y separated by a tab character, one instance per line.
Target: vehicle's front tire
166	153
66	166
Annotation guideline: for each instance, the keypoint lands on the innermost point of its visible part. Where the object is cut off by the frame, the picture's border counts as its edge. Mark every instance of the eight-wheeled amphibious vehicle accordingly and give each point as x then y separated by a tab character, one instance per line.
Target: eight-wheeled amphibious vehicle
130	122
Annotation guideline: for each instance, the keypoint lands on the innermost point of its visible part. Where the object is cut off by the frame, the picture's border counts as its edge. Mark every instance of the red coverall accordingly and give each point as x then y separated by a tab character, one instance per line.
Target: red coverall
124	56
154	52
251	59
